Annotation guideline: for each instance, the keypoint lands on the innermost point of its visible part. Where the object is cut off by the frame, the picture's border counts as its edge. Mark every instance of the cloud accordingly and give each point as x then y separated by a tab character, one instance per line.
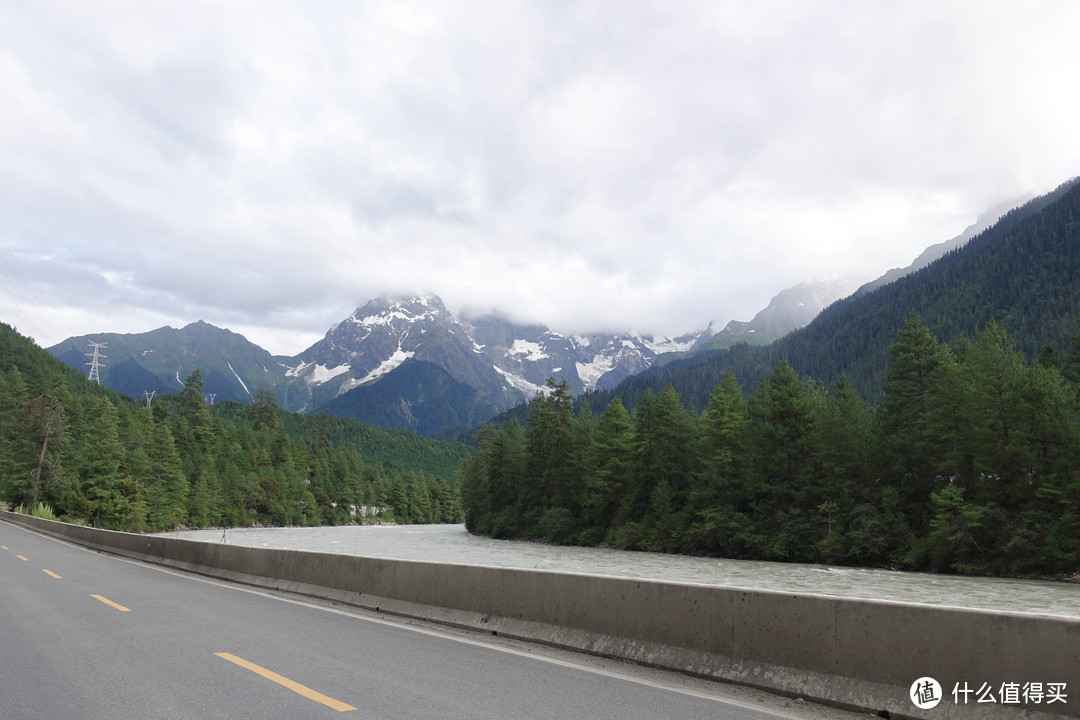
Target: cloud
271	166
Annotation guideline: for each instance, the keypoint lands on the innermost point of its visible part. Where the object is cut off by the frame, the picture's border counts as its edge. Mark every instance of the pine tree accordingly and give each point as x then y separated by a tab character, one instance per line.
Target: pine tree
608	462
912	451
100	467
781	421
167	491
722	428
551	453
17	439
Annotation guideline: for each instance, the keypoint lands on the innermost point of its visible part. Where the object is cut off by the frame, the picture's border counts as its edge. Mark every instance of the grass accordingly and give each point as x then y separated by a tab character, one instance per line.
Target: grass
41	510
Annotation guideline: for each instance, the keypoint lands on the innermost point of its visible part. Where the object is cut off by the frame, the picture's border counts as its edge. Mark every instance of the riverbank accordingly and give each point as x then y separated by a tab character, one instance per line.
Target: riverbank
453	544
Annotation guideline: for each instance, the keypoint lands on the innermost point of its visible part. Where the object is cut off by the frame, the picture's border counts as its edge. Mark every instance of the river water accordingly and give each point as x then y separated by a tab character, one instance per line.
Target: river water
453	544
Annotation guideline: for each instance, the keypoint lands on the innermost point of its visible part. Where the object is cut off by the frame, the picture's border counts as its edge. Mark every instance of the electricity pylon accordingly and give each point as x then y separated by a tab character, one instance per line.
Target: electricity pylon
95	361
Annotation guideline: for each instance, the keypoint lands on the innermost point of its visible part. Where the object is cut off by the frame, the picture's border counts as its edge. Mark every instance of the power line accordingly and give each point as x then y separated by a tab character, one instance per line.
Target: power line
22	298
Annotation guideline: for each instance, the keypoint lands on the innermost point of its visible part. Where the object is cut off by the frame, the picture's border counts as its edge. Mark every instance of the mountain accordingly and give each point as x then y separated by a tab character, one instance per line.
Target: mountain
115	463
1024	272
400	362
232	367
790	310
371	344
408	363
527	354
932	253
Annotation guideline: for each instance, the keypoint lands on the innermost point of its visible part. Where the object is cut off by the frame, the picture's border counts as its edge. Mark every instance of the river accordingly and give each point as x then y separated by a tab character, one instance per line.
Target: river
453	544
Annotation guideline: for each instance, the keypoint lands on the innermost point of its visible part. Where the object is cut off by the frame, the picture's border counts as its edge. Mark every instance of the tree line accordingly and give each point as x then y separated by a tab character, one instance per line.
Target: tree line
966	464
97	457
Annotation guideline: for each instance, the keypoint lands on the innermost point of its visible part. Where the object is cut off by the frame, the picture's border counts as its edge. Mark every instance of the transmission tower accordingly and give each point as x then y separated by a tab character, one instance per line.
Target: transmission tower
95	361
210	399
149	396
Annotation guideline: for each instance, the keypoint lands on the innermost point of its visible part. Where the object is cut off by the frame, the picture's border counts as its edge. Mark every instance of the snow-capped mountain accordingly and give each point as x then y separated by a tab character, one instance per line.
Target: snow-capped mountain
380	337
505	363
403	362
529	354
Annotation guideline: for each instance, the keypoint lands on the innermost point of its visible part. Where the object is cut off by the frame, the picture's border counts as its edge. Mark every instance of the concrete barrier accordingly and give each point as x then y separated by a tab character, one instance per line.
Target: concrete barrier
857	654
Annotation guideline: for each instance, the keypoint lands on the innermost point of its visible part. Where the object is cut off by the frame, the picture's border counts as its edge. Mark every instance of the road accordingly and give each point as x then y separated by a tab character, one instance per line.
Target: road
85	636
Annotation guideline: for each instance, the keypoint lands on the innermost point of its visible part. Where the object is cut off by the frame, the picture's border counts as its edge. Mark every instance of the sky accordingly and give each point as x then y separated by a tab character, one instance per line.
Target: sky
269	166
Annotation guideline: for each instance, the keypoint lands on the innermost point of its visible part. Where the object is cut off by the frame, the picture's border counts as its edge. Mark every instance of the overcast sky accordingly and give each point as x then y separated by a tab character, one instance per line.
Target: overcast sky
269	166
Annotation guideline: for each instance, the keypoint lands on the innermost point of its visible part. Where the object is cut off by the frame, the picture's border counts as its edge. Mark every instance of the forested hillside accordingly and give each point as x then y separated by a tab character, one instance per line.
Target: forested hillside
1024	273
967	465
93	455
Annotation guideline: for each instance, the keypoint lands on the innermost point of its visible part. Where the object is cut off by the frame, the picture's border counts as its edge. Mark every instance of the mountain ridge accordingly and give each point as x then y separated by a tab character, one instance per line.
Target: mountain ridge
379	363
1023	272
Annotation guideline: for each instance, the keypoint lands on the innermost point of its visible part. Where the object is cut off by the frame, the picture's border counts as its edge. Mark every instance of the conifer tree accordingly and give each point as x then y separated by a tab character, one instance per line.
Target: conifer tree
608	463
723	425
102	473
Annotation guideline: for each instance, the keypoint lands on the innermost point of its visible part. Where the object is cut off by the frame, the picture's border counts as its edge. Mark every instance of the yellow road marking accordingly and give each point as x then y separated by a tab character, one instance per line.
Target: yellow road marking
51	574
287	683
4	547
110	603
22	558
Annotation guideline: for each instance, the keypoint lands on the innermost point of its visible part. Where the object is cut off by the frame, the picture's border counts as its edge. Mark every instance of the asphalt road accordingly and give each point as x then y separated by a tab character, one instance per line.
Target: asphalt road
87	636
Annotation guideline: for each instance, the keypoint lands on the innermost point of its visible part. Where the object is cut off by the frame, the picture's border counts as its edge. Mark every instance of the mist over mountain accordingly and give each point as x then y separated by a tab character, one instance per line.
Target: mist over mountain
790	310
1023	272
403	362
407	362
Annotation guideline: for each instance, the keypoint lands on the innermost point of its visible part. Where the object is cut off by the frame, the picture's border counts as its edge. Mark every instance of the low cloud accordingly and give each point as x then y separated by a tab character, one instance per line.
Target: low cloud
602	165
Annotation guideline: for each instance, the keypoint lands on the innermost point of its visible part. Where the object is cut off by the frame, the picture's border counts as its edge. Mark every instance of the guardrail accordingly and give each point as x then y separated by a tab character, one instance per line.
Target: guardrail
856	654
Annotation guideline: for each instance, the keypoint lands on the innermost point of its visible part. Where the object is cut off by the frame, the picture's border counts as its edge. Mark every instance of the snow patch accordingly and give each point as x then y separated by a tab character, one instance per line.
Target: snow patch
386	366
666	345
590	373
295	371
322	374
532	351
388	317
238	378
521	383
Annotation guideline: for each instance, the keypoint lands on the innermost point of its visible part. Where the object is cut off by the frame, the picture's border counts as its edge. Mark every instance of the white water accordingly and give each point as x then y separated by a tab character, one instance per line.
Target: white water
452	544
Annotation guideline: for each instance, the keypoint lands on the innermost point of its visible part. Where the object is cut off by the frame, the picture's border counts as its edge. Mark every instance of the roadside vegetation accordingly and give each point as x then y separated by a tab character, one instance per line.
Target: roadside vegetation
967	464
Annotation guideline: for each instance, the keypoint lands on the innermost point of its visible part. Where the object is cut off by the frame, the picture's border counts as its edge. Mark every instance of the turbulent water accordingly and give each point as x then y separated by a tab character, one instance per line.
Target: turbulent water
452	544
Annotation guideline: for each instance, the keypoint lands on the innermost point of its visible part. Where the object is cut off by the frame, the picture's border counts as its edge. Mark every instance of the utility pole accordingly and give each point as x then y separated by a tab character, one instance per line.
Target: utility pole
95	361
49	405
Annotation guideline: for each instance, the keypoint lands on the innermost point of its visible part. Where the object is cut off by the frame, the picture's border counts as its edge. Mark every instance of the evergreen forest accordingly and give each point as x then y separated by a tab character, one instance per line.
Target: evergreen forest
966	464
72	449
